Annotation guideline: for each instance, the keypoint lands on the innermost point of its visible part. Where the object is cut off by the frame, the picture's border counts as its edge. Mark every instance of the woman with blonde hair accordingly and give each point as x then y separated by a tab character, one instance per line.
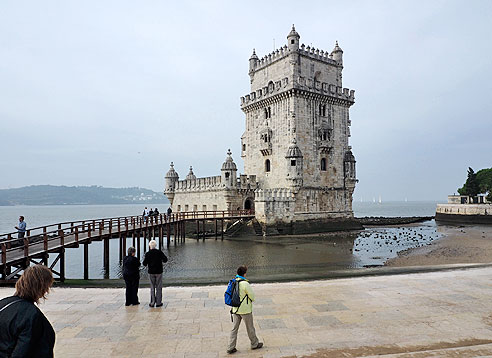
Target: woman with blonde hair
24	330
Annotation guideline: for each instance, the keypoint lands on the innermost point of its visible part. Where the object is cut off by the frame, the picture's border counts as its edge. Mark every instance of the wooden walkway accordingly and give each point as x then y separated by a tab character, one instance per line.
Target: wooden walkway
40	242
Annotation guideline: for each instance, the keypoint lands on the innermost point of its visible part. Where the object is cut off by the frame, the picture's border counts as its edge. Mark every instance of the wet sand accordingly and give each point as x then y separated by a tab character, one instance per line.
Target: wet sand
459	245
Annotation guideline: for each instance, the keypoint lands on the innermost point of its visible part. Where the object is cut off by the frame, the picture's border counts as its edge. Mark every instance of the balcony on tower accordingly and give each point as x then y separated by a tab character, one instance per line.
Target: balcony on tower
266	141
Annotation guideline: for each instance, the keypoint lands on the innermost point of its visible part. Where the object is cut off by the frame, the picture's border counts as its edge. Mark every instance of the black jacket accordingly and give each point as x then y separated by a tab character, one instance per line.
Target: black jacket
131	266
154	258
24	330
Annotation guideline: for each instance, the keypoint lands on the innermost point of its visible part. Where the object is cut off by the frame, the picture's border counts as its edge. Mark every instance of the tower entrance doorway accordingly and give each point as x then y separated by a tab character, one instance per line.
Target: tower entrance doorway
249	204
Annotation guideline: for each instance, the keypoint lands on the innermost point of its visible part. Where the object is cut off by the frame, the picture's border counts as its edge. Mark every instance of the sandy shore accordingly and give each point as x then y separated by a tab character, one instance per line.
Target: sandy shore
459	245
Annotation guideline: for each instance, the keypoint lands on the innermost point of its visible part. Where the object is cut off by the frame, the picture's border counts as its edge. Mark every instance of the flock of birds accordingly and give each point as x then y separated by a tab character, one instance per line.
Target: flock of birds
393	240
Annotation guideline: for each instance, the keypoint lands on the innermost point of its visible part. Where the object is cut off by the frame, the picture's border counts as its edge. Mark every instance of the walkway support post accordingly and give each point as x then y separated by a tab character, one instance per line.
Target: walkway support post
86	260
62	264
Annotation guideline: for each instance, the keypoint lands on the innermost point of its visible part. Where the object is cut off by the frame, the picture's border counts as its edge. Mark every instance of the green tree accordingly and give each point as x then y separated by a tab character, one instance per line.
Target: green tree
484	178
472	186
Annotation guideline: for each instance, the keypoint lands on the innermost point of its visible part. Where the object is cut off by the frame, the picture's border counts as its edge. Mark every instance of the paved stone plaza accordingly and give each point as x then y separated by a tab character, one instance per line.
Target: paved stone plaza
441	314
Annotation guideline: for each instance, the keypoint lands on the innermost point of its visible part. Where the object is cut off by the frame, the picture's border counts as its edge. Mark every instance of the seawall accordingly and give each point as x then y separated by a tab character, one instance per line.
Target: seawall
464	213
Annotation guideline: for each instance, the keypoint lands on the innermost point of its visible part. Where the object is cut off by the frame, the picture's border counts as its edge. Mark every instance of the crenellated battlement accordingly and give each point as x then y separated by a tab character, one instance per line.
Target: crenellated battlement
199	184
302	83
278	54
214	183
275	194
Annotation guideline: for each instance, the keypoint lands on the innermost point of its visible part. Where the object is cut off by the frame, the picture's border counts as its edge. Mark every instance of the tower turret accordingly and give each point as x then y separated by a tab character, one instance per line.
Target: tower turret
253	62
349	165
337	54
191	175
293	39
294	159
172	178
229	171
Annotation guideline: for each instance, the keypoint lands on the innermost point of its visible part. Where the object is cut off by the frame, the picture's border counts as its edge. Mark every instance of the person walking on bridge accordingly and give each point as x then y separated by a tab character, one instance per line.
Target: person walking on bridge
154	259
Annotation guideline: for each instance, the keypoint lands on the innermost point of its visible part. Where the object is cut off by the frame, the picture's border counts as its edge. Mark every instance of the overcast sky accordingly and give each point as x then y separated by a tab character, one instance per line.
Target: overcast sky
109	92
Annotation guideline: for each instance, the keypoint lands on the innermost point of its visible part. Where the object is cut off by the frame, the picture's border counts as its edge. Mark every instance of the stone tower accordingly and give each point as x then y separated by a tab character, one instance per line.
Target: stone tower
297	133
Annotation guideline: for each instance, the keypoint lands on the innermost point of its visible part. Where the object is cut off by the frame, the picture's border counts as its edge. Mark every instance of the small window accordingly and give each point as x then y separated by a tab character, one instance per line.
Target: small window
292	41
227	175
186	208
323	164
267	165
215	207
195	207
179	207
244	147
293	163
204	208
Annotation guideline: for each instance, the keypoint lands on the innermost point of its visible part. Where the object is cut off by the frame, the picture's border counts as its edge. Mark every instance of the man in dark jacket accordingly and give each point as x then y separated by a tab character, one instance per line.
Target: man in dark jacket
154	259
131	274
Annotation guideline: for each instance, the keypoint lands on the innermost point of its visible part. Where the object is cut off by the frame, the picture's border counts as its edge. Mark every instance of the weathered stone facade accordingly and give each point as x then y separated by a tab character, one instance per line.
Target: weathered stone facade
225	192
295	144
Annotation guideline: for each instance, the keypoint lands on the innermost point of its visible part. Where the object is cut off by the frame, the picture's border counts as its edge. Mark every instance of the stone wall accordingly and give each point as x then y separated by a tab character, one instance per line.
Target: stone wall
464	209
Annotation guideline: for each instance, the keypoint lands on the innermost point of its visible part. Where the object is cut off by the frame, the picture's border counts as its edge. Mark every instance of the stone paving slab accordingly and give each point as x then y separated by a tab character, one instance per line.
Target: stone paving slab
440	314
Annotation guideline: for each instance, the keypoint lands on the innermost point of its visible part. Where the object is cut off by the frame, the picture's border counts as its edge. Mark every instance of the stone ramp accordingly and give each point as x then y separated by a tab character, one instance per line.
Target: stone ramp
438	314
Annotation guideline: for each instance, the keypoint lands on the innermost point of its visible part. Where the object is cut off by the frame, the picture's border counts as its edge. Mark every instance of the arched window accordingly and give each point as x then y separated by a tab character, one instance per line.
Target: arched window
267	165
268	112
323	164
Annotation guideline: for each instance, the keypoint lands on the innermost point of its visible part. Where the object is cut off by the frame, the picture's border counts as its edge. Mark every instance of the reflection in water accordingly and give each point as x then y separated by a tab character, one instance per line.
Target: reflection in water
268	258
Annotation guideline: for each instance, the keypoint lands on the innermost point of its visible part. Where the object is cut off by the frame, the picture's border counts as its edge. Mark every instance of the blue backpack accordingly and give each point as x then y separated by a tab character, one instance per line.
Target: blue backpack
231	295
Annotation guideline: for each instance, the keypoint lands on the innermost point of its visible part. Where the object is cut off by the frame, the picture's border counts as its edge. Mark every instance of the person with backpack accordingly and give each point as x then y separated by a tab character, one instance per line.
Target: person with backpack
240	296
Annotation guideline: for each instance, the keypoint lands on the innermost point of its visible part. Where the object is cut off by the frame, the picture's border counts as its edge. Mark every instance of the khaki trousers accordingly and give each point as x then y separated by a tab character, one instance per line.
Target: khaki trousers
250	328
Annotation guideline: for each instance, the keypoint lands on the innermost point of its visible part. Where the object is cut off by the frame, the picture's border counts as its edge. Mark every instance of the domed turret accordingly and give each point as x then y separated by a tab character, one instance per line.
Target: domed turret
293	151
349	165
293	39
229	171
229	162
172	178
253	62
191	175
337	54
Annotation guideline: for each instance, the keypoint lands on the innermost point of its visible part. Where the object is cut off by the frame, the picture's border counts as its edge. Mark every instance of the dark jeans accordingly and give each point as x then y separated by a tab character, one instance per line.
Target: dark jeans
131	289
20	236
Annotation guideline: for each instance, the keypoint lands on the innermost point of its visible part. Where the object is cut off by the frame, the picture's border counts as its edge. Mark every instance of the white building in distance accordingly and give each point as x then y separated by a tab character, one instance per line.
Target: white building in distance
300	170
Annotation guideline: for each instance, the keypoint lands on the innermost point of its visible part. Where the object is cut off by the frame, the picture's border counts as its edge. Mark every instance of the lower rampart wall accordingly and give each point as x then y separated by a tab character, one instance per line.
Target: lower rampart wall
464	213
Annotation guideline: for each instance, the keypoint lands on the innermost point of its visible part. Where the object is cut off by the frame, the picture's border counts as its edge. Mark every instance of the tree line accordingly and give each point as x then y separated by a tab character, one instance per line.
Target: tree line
478	183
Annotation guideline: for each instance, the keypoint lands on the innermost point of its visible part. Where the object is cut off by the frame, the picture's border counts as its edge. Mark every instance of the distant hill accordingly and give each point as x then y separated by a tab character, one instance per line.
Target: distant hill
72	195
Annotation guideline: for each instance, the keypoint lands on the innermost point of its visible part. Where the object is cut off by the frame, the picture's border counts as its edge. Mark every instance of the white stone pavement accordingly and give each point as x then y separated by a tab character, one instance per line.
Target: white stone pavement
440	314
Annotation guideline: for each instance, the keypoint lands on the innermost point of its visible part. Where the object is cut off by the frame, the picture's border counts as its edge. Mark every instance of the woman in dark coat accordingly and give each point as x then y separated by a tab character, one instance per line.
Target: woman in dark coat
24	330
131	274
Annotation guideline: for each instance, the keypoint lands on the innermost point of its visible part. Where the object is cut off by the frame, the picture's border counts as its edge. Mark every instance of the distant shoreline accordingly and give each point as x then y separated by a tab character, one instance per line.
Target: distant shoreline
91	204
50	195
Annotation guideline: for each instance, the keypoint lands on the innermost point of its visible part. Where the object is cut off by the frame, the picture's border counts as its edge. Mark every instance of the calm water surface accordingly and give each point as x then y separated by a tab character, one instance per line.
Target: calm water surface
270	257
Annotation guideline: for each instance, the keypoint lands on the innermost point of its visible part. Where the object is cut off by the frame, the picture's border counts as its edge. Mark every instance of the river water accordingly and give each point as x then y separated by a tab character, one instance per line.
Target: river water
274	258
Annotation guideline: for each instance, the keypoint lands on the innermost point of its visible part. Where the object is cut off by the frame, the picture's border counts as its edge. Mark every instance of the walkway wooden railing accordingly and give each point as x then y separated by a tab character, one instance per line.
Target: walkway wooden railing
55	238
